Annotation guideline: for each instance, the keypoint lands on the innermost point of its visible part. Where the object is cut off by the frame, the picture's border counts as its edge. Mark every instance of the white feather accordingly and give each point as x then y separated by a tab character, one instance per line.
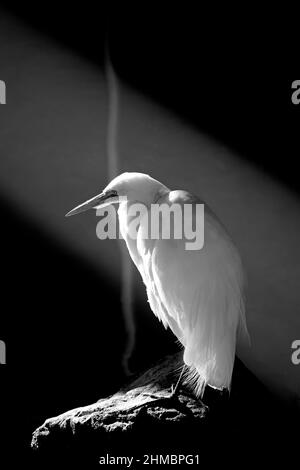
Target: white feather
198	294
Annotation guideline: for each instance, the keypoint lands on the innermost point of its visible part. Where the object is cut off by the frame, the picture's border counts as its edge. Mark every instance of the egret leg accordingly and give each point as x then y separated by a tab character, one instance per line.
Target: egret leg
174	390
167	401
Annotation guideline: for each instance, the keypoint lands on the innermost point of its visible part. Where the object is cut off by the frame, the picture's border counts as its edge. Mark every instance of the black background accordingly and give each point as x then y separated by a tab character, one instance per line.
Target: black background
214	73
182	59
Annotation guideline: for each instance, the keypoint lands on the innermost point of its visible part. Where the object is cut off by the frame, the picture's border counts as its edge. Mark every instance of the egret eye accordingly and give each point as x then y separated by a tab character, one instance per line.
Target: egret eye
112	193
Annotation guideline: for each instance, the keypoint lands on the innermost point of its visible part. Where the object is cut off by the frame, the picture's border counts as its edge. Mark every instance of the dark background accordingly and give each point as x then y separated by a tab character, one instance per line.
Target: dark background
190	60
178	59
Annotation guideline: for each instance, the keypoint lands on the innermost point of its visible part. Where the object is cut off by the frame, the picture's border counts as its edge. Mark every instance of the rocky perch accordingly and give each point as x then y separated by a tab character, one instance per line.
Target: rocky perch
140	419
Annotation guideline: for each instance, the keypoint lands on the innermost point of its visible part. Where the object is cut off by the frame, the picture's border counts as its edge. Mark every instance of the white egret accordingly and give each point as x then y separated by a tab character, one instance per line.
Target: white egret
199	293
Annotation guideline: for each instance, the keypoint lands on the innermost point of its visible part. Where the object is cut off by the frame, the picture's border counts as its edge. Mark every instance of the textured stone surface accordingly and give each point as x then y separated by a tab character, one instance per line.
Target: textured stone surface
139	417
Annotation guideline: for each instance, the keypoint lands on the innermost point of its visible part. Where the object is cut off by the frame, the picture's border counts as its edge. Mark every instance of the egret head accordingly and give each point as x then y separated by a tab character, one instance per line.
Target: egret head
135	187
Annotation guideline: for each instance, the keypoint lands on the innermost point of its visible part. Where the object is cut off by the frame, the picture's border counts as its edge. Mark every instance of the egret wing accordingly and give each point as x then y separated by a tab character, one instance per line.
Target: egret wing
199	295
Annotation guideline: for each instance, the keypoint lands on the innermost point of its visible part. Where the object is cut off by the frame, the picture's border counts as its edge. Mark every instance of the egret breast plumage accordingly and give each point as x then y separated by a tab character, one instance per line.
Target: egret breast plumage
198	294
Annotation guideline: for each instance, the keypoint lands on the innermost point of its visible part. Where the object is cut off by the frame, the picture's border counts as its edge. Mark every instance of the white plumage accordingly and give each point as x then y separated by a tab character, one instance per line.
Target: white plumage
199	294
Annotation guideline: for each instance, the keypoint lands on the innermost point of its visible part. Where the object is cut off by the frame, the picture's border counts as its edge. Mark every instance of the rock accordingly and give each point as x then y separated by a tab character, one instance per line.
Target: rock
139	419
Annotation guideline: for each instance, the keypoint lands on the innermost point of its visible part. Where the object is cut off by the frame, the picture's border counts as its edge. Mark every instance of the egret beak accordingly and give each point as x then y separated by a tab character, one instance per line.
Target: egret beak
101	200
